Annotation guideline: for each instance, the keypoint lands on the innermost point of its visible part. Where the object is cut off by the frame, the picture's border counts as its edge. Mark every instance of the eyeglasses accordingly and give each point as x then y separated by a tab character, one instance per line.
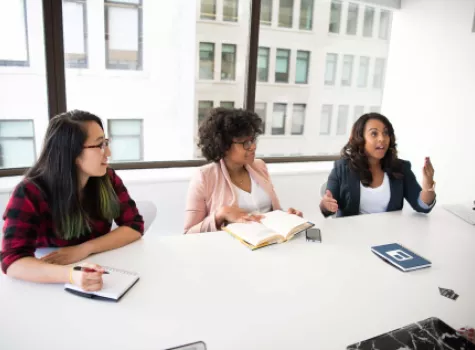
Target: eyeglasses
248	143
102	146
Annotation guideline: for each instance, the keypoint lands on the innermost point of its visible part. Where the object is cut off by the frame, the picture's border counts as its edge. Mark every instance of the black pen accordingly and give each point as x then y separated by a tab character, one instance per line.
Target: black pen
87	269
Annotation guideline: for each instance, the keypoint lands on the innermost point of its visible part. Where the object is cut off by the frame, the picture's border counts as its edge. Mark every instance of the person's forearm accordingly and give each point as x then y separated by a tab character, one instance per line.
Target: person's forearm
35	270
428	197
120	237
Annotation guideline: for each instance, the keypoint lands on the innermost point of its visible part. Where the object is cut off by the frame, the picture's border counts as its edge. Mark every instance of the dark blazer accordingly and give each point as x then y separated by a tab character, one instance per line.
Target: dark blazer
344	184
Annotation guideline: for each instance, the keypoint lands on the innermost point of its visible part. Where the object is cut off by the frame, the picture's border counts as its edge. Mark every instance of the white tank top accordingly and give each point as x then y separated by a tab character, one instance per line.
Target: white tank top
375	200
258	201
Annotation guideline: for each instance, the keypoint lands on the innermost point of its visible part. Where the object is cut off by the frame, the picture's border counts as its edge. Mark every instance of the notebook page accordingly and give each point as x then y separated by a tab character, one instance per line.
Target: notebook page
281	222
252	232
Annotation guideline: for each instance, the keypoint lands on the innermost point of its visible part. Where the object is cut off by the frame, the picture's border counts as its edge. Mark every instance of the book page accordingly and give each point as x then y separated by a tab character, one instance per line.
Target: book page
281	222
253	232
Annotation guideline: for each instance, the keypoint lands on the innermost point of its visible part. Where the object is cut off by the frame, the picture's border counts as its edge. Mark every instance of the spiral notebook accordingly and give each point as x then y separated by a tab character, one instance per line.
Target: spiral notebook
116	283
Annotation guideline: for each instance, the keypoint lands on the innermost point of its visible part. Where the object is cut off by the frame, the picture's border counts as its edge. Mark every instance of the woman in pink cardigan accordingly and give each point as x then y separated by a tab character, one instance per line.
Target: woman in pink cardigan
234	187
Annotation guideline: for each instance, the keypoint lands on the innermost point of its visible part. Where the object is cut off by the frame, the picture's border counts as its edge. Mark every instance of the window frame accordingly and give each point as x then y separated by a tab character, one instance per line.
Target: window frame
140	136
32	138
289	57
307	60
15	63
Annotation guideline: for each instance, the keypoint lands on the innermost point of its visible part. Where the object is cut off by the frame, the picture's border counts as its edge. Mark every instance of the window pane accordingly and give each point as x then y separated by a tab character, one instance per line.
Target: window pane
125	127
278	118
17	143
228	62
352	20
298	119
358	112
208	9
266	12
347	73
335	17
206	61
74	33
306	14
326	119
363	71
230	10
13	129
203	109
14	45
375	109
378	78
261	110
263	64
342	121
125	148
301	73
384	23
282	66
226	104
368	22
286	8
330	69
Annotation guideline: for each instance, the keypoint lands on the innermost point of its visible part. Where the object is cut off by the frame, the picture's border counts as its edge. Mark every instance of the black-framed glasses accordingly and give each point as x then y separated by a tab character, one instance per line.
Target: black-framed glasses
248	143
102	146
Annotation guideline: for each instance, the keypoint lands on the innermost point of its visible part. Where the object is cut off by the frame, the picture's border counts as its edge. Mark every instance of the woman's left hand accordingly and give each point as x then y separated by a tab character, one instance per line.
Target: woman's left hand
295	212
427	175
67	255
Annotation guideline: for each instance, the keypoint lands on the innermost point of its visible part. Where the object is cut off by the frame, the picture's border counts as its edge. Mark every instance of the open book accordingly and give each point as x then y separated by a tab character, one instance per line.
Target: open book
116	283
276	227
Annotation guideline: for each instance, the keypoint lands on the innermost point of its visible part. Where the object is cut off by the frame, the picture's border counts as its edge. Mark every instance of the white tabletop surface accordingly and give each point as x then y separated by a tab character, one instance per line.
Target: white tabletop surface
295	295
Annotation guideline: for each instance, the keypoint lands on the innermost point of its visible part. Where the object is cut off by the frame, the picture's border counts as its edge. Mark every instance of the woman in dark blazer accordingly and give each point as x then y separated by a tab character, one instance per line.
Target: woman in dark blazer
370	178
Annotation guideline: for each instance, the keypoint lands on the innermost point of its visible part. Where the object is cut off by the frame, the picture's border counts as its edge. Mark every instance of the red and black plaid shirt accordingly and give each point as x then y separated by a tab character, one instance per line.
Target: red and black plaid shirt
29	225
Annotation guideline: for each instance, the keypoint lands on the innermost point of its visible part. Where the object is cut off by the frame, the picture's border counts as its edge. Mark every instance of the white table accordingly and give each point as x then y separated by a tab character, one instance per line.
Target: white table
296	295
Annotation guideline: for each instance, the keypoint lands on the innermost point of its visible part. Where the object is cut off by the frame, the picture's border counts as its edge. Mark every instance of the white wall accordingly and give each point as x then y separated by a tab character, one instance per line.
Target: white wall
430	90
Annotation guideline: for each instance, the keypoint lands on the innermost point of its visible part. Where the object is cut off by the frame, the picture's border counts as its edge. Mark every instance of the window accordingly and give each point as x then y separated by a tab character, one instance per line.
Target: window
206	61
306	14
123	29
75	33
203	109
266	12
298	119
335	17
17	143
301	74
286	8
261	110
282	66
363	72
352	20
227	104
263	64
326	119
279	117
384	23
330	68
228	62
126	139
368	22
208	9
358	112
375	109
230	10
378	78
347	73
14	45
342	121
473	25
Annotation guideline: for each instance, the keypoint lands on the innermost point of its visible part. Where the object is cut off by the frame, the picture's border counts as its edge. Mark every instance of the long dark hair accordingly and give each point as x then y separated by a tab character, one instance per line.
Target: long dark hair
56	175
354	150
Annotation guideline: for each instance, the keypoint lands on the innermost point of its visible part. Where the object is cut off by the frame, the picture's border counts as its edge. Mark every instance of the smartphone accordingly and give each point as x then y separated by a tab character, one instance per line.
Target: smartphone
313	235
192	346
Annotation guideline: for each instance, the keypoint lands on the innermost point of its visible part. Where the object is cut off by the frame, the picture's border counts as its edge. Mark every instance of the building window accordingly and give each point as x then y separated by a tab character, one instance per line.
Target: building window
207	61
266	12
358	112
330	68
384	24
301	73
342	121
286	9
282	66
226	104
279	117
335	17
306	14
326	119
17	143
298	119
368	22
375	109
228	62
261	110
378	77
352	20
208	9
347	73
230	10
203	109
363	72
263	64
123	29
75	33
14	34
126	139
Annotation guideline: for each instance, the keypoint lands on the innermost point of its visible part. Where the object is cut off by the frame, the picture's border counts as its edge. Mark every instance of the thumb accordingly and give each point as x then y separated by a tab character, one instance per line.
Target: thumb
328	194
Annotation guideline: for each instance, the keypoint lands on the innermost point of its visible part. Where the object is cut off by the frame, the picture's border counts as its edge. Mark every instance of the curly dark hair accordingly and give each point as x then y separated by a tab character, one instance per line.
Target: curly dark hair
221	125
354	150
